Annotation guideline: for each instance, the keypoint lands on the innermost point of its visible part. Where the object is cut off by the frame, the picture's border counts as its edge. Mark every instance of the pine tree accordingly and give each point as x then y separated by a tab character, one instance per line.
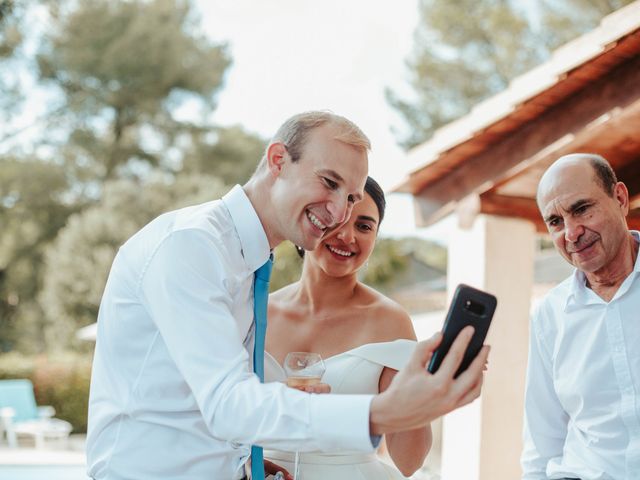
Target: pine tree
466	51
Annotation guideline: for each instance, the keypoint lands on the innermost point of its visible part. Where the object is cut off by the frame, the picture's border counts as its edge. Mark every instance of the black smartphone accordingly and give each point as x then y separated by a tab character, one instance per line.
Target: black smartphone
469	306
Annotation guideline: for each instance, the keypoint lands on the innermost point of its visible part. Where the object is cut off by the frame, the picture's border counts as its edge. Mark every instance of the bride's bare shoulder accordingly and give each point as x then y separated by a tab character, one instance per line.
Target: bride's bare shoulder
284	300
390	319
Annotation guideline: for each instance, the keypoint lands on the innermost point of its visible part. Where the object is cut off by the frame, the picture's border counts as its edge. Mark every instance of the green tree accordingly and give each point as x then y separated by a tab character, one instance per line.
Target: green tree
11	37
78	262
124	69
33	207
287	266
387	259
229	153
466	50
132	86
563	20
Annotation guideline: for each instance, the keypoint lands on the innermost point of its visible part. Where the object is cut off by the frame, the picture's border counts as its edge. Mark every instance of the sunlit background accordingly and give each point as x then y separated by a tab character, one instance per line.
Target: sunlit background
112	112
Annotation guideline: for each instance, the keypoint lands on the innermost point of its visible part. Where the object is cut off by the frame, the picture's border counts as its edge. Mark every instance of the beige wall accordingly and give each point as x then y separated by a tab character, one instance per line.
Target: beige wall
483	441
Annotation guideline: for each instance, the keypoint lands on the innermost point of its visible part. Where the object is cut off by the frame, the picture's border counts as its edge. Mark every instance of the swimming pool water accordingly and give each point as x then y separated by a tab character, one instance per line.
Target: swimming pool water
43	472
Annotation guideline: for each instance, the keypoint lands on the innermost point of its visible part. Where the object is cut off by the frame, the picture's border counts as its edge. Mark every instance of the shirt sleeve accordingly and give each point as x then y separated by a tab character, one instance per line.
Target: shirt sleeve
545	421
184	288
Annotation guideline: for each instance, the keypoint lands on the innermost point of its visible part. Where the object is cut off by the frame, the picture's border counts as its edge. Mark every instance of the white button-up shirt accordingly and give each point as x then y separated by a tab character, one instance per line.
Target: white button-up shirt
172	392
582	401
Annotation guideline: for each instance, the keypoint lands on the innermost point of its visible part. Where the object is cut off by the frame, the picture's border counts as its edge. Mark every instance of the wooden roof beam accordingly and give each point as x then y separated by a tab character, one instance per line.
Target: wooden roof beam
630	175
527	209
508	206
633	219
618	89
609	136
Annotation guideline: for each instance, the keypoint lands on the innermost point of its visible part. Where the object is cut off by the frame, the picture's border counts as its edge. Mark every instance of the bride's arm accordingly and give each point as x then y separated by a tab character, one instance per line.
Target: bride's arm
407	449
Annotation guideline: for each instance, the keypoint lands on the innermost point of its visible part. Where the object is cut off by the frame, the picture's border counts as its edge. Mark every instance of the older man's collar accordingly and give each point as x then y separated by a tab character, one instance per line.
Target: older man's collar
577	290
636	266
579	294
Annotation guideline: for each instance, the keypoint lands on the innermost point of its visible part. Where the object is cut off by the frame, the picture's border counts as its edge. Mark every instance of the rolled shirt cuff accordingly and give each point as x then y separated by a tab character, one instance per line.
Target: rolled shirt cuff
342	421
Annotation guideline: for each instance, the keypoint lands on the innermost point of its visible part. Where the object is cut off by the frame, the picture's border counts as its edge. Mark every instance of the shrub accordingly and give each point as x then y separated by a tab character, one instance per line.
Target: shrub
62	382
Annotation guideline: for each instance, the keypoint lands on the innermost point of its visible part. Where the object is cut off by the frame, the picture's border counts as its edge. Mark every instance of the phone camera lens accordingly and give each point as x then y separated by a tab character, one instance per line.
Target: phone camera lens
474	307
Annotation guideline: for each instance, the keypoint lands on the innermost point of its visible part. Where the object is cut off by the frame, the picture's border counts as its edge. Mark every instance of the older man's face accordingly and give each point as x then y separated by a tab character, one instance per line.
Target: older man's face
587	225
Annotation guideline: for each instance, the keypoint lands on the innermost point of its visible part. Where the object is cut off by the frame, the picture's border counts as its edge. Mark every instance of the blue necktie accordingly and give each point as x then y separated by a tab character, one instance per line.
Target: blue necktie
260	294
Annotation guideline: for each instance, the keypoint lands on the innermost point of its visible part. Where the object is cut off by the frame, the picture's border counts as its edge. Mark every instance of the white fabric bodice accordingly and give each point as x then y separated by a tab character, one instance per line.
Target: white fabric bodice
356	371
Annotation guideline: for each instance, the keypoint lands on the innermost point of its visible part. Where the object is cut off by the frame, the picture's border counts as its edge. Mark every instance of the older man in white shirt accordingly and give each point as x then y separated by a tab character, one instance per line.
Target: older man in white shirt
172	392
582	405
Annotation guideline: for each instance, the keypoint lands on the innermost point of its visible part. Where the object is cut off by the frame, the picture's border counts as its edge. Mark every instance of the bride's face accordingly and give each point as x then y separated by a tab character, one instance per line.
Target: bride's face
346	249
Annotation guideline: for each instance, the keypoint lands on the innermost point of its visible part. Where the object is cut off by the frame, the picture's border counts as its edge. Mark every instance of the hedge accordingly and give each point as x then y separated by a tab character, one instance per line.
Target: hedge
62	382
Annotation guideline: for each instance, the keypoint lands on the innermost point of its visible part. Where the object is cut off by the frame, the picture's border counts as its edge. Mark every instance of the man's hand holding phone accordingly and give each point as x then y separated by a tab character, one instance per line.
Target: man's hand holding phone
469	306
416	396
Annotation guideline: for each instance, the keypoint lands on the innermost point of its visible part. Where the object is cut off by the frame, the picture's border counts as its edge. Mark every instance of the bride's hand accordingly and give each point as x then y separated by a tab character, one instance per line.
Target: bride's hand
316	388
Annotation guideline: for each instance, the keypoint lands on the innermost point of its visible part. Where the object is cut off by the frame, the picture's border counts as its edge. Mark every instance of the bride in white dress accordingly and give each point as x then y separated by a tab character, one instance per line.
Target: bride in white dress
363	336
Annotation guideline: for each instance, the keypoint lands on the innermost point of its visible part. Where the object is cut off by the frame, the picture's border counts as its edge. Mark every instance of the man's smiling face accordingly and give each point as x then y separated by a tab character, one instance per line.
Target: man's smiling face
318	191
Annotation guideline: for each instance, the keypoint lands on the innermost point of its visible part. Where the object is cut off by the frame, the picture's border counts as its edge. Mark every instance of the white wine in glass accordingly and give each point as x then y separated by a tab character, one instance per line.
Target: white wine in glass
301	382
303	369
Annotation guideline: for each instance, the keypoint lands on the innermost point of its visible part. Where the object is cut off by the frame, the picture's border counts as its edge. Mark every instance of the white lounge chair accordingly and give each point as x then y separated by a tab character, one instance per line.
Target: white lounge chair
19	415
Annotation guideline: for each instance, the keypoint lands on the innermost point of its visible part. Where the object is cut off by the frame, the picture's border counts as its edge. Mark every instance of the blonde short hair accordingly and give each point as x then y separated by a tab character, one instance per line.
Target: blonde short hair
294	132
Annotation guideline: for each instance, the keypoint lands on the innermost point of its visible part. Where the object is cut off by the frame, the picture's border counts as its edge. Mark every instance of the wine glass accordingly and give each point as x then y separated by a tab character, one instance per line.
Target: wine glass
303	369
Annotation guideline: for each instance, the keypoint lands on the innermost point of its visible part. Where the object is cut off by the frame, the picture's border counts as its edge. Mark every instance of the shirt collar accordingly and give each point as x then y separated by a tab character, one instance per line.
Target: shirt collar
636	266
580	294
253	238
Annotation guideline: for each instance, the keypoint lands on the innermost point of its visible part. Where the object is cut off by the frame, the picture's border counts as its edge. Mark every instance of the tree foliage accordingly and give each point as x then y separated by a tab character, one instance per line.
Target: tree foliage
563	20
33	208
287	266
230	153
466	50
10	32
387	259
130	88
392	257
124	69
78	261
11	37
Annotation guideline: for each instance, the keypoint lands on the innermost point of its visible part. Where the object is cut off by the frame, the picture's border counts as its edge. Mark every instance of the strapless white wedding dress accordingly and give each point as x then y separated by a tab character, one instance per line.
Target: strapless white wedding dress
352	372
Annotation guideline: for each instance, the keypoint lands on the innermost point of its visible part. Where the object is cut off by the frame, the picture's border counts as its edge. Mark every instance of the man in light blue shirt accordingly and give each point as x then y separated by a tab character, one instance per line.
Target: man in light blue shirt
172	392
582	403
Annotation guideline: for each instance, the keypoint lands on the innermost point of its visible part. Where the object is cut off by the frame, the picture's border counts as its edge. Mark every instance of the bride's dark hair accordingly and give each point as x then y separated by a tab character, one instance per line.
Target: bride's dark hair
374	190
